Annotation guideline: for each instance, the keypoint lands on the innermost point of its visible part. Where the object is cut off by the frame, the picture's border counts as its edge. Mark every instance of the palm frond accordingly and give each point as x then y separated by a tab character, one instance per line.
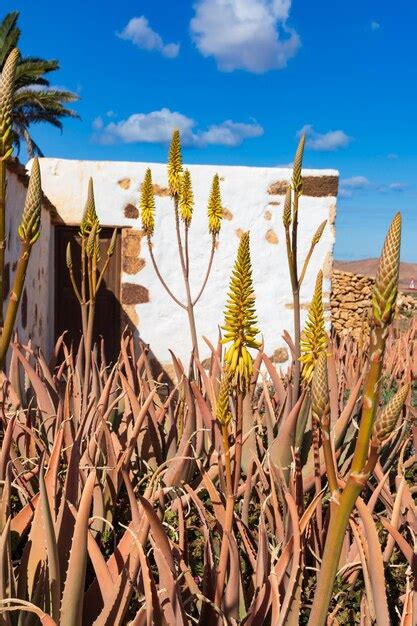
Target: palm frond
9	35
31	70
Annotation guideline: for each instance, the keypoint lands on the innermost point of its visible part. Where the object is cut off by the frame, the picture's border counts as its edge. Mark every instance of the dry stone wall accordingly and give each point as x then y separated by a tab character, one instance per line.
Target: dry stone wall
350	303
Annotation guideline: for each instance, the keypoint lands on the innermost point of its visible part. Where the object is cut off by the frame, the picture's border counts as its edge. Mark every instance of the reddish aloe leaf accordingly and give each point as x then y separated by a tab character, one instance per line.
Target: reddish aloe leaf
405	548
168	590
375	565
4	568
54	575
5	447
280	451
22	606
73	595
408	614
158	532
42	396
395	519
295	574
280	393
153	609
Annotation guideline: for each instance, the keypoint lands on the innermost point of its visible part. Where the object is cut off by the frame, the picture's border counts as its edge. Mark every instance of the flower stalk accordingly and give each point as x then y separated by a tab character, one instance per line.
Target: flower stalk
180	186
28	232
365	456
290	222
240	331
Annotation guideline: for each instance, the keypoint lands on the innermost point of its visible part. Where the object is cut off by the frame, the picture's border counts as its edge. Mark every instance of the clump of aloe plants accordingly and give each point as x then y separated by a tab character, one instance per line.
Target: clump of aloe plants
91	275
29	229
180	187
224	498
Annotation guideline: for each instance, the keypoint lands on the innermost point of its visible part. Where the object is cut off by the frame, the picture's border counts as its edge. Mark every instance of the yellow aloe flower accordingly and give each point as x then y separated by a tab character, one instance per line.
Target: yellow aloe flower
314	337
147	204
240	320
215	209
175	164
186	203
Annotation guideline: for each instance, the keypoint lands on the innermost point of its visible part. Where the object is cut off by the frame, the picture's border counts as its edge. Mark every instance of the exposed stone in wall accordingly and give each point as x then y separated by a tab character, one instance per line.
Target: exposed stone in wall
227	215
350	303
271	236
131	211
134	294
316	186
268	215
132	265
131	243
124	183
131	247
160	191
279	188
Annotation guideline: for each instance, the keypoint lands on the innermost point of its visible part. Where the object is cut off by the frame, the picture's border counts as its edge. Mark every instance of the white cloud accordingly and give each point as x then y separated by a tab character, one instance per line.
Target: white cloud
324	142
349	186
245	34
398	186
157	127
392	156
230	133
355	182
375	25
138	31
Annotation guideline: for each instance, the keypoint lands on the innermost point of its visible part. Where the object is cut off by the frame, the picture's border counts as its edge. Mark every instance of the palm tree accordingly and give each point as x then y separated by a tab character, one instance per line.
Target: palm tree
34	99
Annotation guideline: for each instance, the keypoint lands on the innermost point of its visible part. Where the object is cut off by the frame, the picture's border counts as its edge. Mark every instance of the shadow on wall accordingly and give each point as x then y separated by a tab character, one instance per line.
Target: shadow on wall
112	321
113	329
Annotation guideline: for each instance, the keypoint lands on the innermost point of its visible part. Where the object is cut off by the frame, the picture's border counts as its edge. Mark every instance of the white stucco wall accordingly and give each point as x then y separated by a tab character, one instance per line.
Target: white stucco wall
245	194
38	290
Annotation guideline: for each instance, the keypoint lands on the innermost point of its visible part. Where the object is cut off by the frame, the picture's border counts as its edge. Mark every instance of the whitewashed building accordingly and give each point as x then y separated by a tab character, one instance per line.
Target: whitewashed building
252	198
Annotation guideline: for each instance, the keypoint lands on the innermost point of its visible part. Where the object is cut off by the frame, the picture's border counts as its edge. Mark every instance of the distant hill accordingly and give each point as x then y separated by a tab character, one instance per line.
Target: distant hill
368	267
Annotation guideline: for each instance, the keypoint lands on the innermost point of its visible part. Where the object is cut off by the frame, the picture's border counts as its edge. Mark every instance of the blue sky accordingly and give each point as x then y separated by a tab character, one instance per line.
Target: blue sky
241	78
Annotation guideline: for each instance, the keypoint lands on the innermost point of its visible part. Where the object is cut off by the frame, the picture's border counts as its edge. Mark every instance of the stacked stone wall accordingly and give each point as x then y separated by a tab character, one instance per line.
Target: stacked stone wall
350	303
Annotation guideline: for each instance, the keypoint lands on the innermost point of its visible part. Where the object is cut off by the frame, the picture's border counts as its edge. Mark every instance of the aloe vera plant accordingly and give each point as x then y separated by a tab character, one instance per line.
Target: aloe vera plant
180	187
29	229
365	455
91	277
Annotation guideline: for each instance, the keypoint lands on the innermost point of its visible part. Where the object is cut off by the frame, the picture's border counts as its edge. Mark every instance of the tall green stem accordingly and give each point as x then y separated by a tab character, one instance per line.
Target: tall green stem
340	512
14	299
228	520
238	444
2	233
185	272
